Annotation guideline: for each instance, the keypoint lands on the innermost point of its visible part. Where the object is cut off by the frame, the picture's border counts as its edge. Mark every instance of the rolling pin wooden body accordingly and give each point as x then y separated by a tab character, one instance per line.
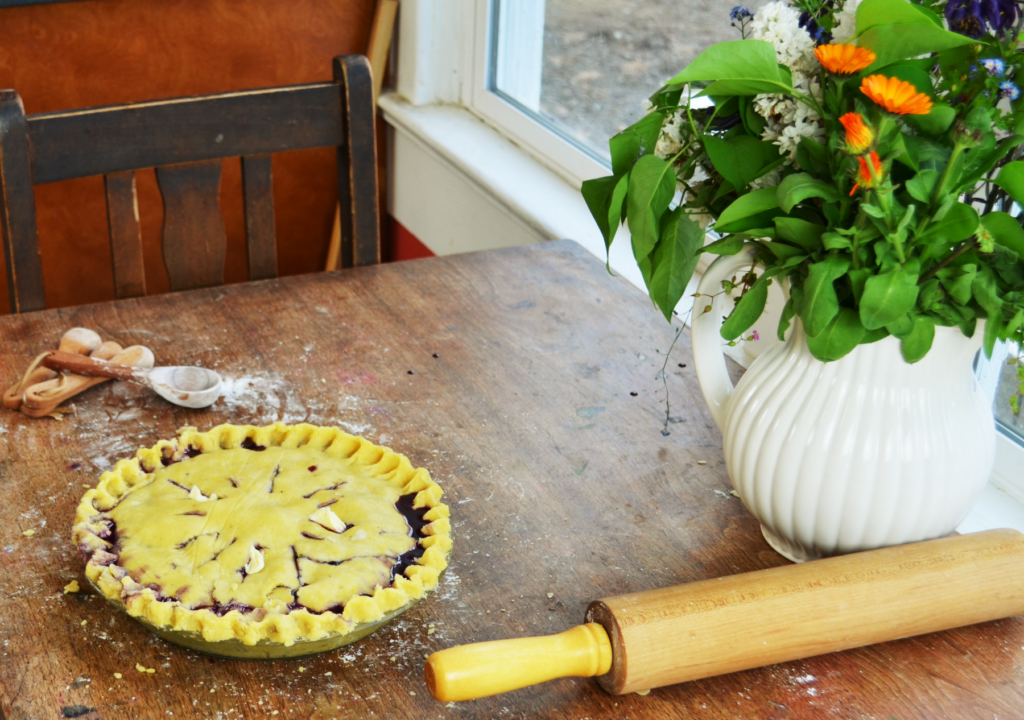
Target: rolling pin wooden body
713	627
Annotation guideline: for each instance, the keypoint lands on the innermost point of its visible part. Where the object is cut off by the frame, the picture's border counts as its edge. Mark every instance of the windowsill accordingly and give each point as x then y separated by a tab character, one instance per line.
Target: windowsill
553	209
535	195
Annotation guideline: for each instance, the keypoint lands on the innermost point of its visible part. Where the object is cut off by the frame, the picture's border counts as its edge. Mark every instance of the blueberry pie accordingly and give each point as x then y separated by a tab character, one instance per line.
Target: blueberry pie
285	536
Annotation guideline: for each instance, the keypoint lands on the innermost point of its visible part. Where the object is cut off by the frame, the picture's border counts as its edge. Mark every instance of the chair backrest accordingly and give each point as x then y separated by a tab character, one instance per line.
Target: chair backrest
186	139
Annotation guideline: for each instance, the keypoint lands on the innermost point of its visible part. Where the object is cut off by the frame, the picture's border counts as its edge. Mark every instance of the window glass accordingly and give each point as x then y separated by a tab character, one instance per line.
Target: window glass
1001	378
585	67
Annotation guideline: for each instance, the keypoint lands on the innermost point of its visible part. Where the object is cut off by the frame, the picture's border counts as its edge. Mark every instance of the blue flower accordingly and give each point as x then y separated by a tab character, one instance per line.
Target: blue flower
994	66
969	17
1008	89
739	13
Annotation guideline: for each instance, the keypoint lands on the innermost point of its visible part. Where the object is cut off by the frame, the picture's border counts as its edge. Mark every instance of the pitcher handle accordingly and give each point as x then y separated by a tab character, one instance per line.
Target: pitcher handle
705	333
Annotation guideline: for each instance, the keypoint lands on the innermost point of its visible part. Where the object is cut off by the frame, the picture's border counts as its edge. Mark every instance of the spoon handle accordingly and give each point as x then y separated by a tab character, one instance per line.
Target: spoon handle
81	365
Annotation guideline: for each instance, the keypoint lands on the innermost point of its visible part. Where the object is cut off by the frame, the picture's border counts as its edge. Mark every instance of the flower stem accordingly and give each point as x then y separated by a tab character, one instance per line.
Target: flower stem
861	219
940	186
961	249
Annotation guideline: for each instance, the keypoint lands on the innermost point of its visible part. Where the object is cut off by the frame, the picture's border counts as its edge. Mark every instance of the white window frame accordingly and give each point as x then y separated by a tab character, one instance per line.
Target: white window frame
443	60
553	150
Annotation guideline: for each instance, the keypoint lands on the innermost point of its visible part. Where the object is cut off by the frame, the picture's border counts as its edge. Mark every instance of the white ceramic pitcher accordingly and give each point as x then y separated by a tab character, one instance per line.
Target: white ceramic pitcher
864	452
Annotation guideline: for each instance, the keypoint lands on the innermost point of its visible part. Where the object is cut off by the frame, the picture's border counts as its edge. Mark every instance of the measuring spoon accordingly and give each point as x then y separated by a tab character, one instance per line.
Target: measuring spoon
187	386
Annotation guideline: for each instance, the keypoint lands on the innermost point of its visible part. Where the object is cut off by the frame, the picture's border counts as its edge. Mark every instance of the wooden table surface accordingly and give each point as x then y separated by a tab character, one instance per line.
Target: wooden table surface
527	381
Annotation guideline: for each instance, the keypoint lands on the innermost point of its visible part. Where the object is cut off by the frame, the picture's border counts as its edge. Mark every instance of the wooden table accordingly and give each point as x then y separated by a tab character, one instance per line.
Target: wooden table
527	381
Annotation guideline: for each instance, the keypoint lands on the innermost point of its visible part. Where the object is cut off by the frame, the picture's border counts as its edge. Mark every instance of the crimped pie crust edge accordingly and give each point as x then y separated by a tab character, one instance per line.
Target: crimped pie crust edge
279	627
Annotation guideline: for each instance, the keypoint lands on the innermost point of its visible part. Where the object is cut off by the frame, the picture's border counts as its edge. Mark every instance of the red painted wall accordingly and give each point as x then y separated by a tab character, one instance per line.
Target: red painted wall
100	52
404	245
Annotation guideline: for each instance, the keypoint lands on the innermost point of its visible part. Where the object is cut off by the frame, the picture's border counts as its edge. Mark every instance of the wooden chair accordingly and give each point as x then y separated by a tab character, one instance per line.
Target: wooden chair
186	139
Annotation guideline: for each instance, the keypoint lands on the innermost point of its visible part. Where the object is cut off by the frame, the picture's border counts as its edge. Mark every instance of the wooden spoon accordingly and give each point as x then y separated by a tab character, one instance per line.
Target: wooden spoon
191	387
43	399
78	341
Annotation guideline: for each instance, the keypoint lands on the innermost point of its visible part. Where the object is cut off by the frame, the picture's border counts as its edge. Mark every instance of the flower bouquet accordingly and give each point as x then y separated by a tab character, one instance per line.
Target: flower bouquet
862	151
864	154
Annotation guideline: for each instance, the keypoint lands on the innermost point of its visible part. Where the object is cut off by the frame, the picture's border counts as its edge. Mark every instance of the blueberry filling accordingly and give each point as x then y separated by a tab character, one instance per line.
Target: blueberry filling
416	522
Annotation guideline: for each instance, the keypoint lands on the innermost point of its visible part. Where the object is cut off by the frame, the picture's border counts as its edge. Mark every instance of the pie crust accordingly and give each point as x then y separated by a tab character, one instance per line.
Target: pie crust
277	534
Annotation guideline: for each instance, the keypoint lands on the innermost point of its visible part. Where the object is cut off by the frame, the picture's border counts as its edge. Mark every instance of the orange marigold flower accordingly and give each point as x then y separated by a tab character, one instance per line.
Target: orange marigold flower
896	96
844	59
865	177
858	134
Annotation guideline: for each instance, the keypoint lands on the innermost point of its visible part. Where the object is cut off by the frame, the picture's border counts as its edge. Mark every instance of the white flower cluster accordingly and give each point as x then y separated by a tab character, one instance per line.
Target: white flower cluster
846	23
788	120
670	140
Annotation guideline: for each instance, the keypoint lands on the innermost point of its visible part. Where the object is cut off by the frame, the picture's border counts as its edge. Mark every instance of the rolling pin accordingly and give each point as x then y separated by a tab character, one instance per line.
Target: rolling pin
661	637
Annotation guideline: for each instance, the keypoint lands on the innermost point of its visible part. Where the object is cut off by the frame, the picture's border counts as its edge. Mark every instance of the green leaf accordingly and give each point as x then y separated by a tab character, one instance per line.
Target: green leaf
871	13
604	198
934	123
917	344
992	328
981	160
820	300
805	234
902	327
895	30
960	222
753	123
741	158
1006	231
838	338
835	241
986	292
1011	179
801	186
871	336
750	66
857	280
921	185
639	137
652	185
788	311
784	251
889	295
747	310
812	155
674	260
931	295
749	211
726	246
958	281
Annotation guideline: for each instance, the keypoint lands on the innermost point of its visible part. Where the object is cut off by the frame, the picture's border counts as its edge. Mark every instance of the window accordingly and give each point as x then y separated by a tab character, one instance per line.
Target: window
583	69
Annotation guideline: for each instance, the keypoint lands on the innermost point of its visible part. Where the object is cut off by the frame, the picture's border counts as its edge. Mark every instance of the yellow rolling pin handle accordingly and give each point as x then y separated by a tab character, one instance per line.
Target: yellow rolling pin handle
474	671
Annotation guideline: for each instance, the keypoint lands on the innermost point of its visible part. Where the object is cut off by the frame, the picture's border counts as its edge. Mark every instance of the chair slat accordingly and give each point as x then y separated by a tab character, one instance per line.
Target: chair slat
360	148
18	209
125	235
258	196
168	132
185	140
194	239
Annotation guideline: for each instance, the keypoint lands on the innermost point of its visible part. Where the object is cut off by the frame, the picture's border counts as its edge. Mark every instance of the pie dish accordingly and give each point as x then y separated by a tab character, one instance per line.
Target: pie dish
269	541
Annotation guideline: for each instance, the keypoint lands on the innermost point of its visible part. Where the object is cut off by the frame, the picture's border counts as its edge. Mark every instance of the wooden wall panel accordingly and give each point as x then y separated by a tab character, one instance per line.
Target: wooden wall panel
100	52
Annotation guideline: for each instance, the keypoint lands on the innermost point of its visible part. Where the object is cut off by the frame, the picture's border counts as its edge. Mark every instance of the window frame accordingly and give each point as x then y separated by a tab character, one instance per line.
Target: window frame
545	144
